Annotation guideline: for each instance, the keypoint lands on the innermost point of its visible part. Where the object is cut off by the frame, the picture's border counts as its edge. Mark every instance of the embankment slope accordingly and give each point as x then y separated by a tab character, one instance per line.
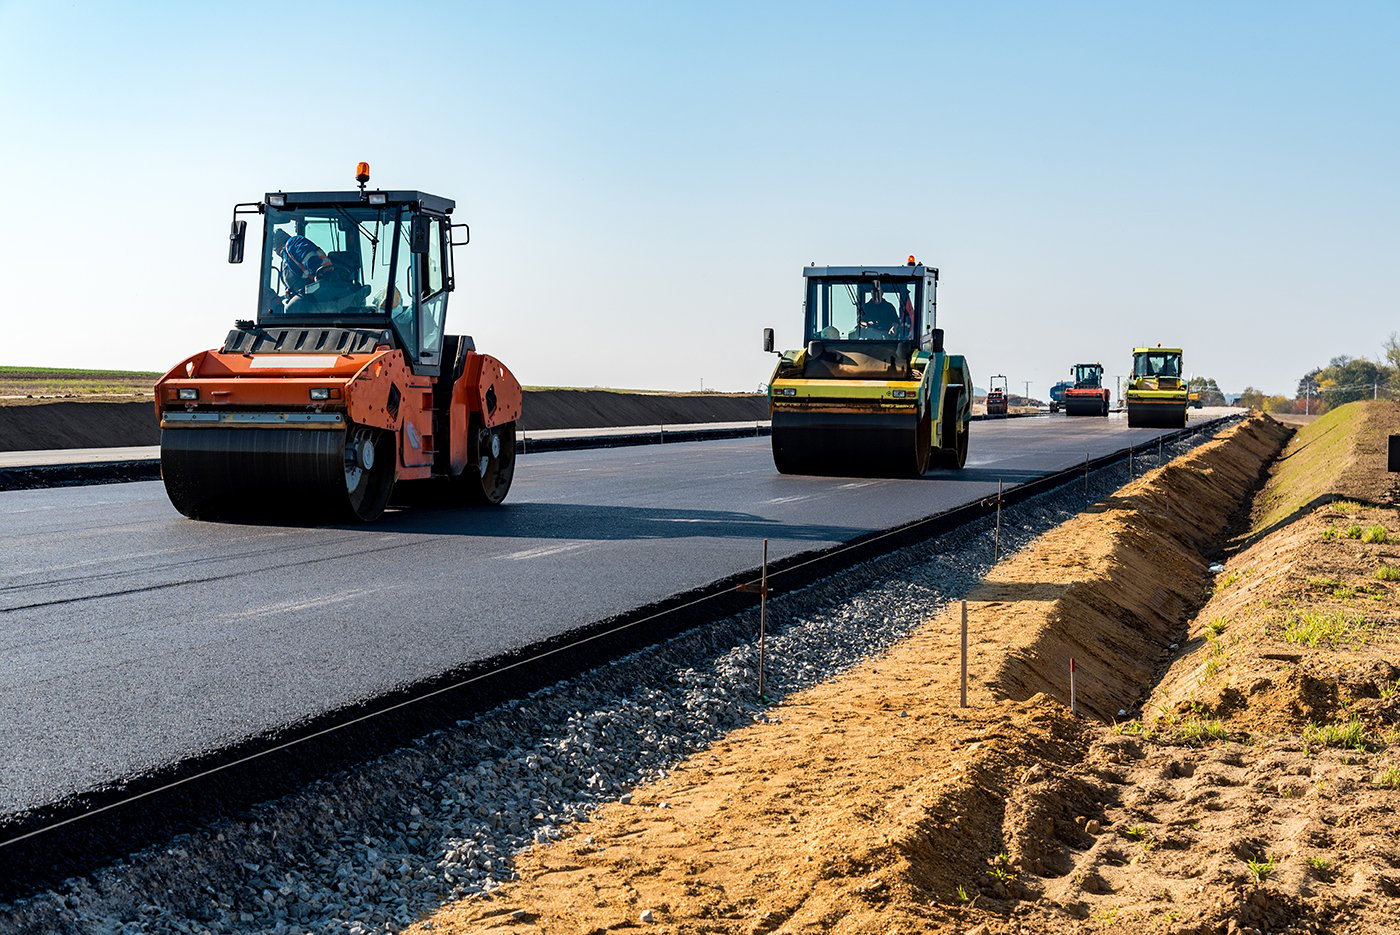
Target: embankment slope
33	425
872	803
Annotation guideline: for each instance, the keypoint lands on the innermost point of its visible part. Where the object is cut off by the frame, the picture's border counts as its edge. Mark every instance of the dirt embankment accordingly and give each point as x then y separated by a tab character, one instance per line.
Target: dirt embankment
872	803
32	425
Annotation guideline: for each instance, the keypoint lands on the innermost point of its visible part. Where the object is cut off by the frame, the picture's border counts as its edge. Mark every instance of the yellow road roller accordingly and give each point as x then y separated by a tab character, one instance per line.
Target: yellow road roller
1156	394
872	392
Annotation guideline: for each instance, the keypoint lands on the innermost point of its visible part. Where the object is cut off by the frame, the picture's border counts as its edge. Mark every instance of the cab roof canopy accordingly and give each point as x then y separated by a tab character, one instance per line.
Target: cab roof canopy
1156	350
421	200
888	272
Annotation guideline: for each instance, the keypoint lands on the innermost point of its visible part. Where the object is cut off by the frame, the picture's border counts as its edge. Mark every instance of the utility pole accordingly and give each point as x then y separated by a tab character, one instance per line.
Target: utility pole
1118	384
1307	406
1027	394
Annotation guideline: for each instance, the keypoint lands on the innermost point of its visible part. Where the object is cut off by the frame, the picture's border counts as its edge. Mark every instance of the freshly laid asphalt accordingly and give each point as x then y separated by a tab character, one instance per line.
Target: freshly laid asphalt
134	638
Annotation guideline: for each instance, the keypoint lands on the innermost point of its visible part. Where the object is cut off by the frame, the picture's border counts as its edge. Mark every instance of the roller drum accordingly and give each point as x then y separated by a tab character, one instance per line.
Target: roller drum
1085	406
1156	415
851	444
254	473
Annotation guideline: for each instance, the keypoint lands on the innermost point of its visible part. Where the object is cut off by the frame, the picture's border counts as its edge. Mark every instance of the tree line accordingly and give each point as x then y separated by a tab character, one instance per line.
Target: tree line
1343	380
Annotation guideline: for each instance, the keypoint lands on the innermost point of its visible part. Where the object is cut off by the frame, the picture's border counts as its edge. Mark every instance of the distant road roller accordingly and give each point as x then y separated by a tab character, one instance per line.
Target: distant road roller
1156	393
344	390
1087	397
998	396
873	392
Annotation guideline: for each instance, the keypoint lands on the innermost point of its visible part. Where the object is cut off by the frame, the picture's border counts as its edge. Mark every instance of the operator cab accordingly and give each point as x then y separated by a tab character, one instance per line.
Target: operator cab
874	304
1088	376
1157	362
370	267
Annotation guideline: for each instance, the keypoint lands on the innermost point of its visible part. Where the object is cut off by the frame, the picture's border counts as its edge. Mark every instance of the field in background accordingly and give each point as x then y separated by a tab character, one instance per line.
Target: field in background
55	381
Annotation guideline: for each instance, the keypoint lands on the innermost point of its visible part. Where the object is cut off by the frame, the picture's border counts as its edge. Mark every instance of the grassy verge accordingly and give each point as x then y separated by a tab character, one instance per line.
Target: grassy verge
57	381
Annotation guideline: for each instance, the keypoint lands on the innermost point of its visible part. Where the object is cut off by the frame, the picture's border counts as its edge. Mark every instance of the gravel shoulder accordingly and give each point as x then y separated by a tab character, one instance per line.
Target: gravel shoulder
872	803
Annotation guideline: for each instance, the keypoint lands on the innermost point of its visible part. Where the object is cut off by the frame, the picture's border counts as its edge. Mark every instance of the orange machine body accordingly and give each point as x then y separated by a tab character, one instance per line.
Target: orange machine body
376	389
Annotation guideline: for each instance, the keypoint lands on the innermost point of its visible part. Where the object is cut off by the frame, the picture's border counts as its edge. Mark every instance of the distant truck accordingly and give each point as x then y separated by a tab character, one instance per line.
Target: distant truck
1057	394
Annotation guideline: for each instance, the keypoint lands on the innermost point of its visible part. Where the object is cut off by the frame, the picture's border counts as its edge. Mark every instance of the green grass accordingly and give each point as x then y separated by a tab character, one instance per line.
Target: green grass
1215	627
1353	531
1226	580
1323	581
56	381
1344	593
1311	466
1261	868
1346	506
1321	865
1329	533
1389	777
1332	628
1388	572
1346	734
1374	535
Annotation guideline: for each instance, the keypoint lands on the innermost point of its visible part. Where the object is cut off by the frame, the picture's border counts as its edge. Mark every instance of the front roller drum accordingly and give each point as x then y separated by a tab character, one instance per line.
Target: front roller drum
852	444
1085	406
1156	415
271	474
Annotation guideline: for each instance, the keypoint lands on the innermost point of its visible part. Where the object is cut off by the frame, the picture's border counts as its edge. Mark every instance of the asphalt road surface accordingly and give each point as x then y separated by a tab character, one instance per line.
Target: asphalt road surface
133	637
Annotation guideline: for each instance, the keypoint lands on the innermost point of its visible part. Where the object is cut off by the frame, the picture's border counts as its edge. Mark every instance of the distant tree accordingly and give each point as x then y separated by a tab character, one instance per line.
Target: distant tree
1308	384
1392	351
1251	398
1352	379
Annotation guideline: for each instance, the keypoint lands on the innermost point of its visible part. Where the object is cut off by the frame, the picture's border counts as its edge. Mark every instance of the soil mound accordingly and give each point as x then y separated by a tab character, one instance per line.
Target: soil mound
872	803
39	425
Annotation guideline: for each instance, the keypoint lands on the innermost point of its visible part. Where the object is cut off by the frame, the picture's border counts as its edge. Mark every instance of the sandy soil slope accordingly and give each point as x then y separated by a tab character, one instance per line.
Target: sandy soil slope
873	803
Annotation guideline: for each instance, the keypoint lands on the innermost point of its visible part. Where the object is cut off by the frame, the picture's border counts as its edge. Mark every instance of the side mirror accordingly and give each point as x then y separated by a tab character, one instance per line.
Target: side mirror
937	343
237	234
466	235
768	340
418	235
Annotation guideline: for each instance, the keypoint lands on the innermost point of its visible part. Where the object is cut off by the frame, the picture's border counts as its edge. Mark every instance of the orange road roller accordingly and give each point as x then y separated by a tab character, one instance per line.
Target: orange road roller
344	391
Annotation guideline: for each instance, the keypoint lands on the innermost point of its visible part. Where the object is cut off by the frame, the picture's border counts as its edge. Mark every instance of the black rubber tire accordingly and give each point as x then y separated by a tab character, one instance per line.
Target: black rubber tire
923	444
954	457
367	490
490	463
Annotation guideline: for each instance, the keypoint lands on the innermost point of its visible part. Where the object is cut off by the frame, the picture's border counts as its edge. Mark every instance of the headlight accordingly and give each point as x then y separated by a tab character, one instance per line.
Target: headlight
898	394
276	201
320	392
377	198
187	392
789	391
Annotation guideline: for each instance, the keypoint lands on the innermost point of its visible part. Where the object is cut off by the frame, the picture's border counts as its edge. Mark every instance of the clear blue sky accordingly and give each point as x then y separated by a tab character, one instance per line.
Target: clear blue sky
644	181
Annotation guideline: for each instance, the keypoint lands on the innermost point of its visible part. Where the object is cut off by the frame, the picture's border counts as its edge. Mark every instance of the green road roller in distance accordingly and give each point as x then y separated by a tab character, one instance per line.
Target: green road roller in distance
1156	395
872	392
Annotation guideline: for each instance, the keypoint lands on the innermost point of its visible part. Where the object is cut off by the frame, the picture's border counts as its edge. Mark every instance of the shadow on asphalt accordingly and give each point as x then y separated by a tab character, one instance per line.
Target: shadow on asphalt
585	521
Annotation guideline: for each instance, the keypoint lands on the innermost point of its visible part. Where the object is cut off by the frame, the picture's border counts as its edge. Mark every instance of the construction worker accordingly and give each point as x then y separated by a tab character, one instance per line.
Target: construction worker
878	315
302	261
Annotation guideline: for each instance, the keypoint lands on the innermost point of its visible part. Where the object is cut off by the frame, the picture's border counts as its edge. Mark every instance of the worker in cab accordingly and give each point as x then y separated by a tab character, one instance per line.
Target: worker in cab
878	317
302	261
